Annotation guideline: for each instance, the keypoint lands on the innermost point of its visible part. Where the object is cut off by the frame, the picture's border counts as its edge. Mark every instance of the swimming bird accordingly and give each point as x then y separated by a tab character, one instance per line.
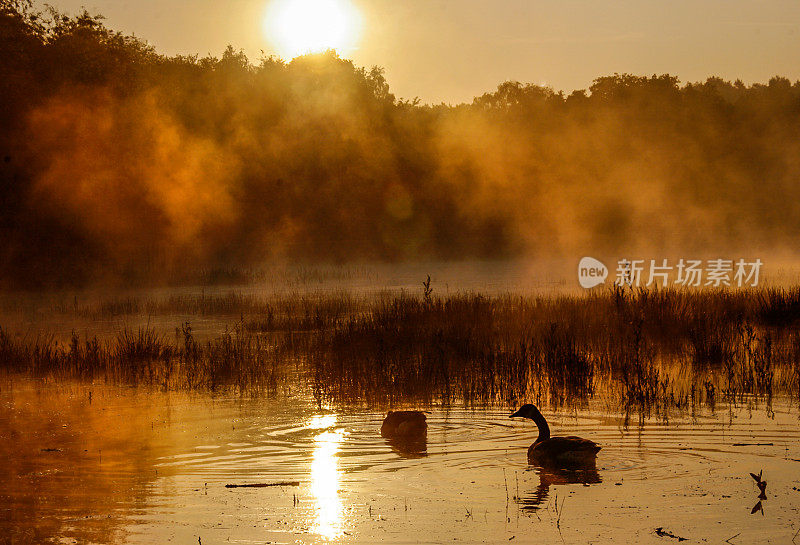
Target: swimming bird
404	424
557	452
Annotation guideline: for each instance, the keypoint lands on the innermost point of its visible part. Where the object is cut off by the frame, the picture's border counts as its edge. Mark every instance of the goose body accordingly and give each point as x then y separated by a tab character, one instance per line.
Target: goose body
557	452
404	424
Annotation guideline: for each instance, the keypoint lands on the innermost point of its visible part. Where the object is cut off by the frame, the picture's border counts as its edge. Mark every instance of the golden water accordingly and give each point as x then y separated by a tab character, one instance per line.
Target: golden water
101	464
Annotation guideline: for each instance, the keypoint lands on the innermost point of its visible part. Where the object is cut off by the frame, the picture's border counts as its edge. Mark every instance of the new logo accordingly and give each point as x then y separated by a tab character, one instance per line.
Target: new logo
591	272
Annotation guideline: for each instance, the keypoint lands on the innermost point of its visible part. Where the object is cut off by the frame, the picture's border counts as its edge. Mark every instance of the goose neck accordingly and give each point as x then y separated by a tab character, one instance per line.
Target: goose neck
544	429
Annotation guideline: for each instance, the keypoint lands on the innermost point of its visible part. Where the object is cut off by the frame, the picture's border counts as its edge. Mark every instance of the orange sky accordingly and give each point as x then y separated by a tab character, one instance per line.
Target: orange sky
453	50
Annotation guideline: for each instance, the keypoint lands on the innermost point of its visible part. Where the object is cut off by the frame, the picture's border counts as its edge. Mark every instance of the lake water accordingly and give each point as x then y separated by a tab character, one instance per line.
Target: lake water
103	464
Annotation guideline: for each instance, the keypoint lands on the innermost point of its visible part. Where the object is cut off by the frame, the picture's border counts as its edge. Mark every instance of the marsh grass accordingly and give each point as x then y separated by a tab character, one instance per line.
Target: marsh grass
655	350
650	350
273	313
235	361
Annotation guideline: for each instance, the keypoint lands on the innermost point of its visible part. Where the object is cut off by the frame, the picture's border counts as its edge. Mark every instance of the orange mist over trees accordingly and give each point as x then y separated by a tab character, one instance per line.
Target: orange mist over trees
120	164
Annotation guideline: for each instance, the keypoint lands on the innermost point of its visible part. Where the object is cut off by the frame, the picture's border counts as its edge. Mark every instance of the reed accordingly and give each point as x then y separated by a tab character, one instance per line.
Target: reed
653	350
235	361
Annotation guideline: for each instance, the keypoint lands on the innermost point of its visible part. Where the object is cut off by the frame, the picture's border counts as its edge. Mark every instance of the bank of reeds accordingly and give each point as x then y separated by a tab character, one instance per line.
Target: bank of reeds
235	361
648	349
263	313
652	349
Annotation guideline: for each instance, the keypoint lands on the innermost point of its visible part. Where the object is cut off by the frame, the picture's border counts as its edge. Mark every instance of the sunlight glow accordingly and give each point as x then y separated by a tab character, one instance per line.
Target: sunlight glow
297	27
325	479
322	421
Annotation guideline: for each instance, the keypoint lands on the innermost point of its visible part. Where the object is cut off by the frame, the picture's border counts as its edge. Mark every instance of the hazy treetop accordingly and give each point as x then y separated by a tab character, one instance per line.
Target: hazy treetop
125	165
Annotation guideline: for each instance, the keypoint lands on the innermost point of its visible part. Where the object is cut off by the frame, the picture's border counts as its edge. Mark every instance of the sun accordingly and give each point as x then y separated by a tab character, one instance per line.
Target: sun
297	27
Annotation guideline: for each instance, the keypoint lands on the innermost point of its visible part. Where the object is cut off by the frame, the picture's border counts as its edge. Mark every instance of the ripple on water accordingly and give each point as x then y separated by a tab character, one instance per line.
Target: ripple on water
474	438
687	472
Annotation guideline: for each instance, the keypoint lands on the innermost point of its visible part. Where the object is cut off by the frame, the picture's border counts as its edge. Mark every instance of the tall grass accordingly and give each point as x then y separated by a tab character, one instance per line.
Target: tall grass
650	350
237	360
266	313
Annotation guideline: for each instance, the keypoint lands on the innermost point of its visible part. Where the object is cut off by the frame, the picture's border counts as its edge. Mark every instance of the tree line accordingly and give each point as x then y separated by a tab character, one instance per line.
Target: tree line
120	164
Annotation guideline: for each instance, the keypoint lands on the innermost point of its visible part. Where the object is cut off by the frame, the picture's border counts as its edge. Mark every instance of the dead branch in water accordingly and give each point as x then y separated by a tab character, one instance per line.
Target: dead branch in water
661	532
263	485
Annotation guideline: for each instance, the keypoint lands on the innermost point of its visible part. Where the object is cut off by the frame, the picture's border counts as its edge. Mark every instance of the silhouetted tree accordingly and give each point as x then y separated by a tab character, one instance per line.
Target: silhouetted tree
121	164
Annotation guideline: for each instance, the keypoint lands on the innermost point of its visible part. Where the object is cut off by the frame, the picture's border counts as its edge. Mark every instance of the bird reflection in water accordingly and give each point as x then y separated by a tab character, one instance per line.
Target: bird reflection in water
548	477
409	447
325	477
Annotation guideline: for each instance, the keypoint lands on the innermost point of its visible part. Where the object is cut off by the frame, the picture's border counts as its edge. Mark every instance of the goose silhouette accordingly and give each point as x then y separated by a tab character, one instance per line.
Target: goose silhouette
557	452
406	432
404	424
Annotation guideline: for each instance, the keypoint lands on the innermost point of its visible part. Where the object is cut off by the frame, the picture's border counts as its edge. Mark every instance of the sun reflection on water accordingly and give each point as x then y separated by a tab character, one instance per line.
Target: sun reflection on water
325	477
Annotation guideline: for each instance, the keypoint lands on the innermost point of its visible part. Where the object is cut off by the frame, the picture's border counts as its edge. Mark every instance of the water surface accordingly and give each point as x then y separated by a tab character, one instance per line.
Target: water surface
101	464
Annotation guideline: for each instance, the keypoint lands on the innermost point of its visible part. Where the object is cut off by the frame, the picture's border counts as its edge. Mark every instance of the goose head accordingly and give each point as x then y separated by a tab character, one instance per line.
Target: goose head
527	411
